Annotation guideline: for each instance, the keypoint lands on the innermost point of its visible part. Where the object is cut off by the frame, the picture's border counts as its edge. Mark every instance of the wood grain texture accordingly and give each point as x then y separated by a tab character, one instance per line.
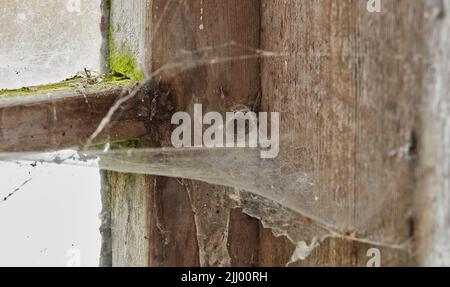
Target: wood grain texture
349	88
364	107
66	119
432	204
127	30
348	93
129	194
129	219
203	210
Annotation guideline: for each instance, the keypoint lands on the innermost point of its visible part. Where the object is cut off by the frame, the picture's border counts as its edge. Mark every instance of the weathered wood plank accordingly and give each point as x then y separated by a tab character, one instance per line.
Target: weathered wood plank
433	201
175	27
349	91
129	220
131	209
67	119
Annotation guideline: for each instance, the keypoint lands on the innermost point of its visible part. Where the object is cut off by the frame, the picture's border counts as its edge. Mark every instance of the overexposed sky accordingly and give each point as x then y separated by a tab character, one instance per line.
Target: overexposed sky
53	219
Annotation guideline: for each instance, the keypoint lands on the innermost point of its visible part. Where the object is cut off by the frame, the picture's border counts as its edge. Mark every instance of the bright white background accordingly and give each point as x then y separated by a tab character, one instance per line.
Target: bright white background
56	212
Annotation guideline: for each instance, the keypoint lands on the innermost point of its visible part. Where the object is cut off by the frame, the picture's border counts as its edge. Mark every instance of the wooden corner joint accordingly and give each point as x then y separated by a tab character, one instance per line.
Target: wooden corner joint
65	119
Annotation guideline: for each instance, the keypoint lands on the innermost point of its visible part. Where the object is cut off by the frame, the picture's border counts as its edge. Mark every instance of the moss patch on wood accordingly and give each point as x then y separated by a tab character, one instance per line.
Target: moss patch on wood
122	62
110	80
130	143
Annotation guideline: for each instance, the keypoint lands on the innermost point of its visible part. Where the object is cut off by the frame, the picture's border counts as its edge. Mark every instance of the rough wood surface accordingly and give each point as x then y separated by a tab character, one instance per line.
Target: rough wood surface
129	220
433	231
129	193
349	91
199	232
65	119
349	88
363	106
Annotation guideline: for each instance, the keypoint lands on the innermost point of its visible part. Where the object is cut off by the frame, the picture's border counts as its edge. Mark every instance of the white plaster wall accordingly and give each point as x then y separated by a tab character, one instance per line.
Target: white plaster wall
44	41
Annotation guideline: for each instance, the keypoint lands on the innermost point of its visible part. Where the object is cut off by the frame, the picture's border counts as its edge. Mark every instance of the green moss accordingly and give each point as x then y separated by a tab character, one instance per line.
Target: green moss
115	183
64	85
67	85
122	62
121	59
107	4
129	144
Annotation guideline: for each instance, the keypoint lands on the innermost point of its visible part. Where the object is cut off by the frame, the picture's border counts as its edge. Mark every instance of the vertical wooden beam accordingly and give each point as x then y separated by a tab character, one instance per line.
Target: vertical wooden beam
188	223
178	28
433	201
125	215
349	91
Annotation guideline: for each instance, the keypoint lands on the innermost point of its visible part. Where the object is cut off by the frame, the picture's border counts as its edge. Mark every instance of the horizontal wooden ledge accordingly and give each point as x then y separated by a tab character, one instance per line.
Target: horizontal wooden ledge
66	119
